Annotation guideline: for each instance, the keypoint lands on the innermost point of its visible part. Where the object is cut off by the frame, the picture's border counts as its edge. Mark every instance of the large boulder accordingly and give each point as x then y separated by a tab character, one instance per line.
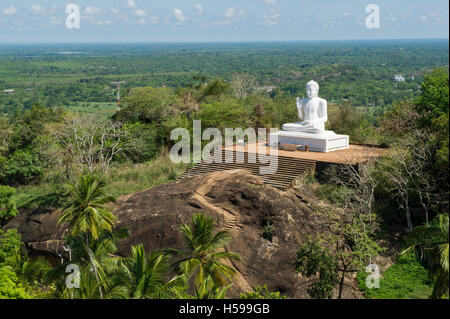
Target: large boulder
238	202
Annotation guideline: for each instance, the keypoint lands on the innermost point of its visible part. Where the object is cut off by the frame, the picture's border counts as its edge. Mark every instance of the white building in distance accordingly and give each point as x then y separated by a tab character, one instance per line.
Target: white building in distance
399	78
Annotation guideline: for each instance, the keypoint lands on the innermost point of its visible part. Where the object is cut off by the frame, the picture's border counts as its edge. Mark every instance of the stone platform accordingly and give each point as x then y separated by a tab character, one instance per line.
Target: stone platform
324	142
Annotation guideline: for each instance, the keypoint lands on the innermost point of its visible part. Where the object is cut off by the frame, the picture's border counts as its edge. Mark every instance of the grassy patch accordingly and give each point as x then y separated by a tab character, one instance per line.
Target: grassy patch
103	109
407	279
122	179
331	193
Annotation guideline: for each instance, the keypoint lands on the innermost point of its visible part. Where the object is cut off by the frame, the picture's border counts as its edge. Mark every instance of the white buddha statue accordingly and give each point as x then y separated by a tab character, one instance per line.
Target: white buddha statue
312	112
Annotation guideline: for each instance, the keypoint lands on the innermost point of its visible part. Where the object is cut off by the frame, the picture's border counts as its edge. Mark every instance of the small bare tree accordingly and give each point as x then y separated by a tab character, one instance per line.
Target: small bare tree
111	140
90	142
5	131
408	174
243	85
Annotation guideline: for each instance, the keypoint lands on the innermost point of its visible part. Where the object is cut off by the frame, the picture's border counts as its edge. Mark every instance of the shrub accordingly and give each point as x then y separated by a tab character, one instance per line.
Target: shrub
22	167
9	243
9	285
269	229
7	204
262	293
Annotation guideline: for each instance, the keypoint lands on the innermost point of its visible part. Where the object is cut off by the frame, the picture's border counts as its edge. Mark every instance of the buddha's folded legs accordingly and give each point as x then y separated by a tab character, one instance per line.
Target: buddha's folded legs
300	127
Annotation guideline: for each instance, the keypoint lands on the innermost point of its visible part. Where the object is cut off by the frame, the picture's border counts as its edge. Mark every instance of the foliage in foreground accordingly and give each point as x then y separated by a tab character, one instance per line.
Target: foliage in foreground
430	243
262	293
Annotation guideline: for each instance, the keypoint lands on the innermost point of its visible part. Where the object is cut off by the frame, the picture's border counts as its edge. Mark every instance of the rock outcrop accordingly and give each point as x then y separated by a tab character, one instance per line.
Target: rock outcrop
238	202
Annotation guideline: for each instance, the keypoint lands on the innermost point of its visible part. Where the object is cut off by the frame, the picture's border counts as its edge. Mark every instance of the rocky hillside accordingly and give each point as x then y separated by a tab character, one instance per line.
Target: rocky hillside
238	201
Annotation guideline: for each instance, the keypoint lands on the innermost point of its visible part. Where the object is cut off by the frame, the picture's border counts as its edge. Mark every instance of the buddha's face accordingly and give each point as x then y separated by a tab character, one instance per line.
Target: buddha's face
311	91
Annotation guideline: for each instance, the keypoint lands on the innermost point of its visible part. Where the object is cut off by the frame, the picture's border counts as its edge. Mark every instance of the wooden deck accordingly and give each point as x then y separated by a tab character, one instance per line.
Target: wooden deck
292	165
355	154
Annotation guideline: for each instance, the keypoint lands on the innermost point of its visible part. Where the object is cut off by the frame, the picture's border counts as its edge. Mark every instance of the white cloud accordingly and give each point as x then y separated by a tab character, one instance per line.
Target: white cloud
179	15
199	9
35	9
154	19
131	4
105	22
273	19
230	13
142	21
11	10
222	22
54	21
141	13
114	10
53	9
270	1
423	18
93	10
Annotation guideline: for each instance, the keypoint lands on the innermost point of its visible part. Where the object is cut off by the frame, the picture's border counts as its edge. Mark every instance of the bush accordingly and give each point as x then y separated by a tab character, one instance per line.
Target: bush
269	229
7	204
22	167
143	141
262	293
9	285
9	243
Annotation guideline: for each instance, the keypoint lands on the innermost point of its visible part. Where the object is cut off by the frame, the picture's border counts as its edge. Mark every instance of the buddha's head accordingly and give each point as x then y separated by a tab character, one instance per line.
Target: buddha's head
312	89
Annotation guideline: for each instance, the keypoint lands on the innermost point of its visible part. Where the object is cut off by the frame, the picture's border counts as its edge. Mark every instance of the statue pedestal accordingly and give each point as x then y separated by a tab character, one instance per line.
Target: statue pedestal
323	142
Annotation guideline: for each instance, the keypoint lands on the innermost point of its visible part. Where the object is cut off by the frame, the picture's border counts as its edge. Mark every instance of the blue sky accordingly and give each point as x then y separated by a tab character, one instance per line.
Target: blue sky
220	20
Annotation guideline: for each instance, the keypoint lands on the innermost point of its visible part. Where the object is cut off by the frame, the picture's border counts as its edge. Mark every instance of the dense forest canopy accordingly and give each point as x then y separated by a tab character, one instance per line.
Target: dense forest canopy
358	73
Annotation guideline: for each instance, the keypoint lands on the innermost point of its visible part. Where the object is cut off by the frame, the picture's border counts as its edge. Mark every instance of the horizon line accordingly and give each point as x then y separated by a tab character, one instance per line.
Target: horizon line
225	41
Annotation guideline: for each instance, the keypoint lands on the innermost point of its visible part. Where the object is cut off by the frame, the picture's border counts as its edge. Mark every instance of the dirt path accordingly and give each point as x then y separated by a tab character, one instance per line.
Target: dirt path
230	224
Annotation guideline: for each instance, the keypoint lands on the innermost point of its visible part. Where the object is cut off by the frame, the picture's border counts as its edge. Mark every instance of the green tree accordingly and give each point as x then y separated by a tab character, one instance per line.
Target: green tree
148	105
434	98
313	259
213	89
87	216
205	257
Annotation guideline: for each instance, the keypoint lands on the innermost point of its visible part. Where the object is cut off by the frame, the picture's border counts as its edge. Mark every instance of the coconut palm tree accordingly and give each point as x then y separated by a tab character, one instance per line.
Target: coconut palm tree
87	216
206	259
431	243
205	292
143	276
104	251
